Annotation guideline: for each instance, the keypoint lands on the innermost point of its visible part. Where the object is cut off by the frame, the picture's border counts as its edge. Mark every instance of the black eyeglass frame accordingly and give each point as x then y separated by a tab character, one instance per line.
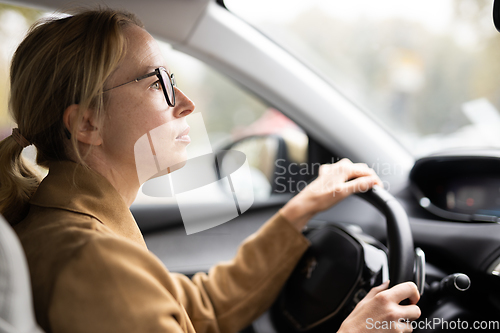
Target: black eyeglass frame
156	72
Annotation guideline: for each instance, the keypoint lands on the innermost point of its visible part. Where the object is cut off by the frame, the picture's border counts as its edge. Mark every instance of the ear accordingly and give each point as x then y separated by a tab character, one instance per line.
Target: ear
87	128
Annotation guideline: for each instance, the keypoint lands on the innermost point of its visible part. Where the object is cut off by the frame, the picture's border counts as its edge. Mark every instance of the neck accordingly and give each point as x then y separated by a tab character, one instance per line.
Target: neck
123	180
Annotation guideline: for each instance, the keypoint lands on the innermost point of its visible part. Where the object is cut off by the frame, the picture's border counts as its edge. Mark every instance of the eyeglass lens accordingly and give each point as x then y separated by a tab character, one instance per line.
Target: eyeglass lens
168	87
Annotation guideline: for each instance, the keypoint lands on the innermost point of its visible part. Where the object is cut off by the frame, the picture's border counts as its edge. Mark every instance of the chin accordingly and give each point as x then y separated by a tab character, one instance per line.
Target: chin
168	170
165	161
177	166
179	162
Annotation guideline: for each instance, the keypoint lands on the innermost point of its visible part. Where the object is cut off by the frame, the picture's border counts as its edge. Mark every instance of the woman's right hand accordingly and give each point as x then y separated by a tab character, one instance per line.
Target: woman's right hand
380	311
334	183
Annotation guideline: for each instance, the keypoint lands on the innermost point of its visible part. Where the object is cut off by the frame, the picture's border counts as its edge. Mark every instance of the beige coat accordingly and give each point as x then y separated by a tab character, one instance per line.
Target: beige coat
92	272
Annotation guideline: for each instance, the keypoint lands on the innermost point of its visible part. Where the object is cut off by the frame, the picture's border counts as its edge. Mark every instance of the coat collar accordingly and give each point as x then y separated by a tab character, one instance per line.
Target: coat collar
73	187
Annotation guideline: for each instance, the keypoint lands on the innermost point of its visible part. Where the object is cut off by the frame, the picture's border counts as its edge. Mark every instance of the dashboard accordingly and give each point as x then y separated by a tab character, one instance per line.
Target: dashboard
477	195
459	185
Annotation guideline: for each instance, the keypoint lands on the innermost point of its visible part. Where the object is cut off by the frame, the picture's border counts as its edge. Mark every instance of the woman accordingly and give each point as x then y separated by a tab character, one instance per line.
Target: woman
84	89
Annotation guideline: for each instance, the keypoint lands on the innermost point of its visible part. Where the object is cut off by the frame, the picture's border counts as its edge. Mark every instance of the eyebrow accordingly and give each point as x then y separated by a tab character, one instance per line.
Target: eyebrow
152	68
147	73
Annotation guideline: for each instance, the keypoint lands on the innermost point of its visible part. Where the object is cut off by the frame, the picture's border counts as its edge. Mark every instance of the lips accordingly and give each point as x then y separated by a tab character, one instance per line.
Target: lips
183	136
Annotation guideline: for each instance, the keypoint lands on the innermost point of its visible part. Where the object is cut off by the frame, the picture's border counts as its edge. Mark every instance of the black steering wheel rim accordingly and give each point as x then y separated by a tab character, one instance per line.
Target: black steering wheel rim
399	237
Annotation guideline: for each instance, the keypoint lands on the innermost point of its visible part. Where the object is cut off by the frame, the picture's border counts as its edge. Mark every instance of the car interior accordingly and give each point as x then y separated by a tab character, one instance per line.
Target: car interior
436	221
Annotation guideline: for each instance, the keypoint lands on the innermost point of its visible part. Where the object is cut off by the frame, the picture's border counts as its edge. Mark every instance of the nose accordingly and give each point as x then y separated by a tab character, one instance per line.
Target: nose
183	105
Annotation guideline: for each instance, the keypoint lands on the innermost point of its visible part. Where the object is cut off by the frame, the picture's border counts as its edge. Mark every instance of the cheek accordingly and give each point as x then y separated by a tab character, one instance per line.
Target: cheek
120	133
129	118
157	151
141	132
163	141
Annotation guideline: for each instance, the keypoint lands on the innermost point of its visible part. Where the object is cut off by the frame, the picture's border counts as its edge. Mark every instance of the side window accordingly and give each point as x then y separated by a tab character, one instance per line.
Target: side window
236	119
14	22
233	118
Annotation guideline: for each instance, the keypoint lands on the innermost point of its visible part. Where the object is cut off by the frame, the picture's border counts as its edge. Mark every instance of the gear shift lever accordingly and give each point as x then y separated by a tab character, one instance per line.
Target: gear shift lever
452	284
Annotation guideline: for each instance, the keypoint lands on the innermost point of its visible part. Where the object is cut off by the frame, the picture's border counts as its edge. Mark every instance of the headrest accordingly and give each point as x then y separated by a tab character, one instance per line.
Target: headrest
16	307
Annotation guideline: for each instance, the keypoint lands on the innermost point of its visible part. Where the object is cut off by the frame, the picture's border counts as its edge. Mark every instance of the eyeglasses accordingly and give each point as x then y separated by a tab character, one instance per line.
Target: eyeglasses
166	80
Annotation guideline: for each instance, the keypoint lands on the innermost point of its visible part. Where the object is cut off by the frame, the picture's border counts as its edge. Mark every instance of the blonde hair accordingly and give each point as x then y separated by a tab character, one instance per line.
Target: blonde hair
60	62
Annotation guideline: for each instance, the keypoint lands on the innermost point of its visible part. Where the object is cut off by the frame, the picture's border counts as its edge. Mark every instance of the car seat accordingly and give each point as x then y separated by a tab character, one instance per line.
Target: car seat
16	305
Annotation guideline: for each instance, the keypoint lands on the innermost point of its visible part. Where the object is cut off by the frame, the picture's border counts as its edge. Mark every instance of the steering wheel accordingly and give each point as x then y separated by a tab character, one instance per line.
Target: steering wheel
340	267
399	238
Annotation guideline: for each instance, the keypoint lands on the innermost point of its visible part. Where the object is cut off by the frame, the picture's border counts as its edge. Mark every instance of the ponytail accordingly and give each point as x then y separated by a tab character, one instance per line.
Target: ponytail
18	181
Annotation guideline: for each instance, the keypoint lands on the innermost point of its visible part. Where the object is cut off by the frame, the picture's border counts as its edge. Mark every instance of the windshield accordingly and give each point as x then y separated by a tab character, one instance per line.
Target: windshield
427	70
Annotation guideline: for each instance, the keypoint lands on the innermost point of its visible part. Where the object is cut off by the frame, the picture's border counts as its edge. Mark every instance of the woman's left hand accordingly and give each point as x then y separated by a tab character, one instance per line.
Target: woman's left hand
334	183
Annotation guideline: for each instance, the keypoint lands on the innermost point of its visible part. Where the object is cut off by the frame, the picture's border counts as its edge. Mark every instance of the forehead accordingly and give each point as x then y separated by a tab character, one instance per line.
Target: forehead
142	55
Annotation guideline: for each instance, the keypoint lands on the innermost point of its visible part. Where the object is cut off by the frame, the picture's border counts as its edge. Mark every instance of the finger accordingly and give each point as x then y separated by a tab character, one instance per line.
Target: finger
403	291
362	169
361	184
361	165
358	170
344	161
337	168
379	182
346	169
411	312
375	290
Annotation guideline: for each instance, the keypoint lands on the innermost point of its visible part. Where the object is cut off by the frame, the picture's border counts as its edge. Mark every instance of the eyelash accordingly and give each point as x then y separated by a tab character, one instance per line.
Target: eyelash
156	83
